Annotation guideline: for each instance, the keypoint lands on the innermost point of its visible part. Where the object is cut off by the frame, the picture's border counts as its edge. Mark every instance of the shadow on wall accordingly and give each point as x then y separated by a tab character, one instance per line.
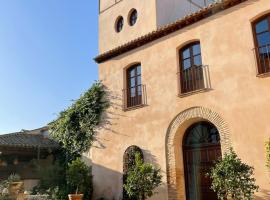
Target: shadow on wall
265	195
110	117
107	183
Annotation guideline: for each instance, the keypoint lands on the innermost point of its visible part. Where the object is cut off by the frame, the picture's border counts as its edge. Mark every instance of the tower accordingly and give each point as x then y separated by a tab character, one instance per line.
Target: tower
114	12
121	21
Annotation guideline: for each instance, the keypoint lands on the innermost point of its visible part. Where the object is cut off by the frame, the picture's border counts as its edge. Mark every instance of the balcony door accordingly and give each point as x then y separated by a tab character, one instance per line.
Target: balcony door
191	70
201	147
261	29
134	86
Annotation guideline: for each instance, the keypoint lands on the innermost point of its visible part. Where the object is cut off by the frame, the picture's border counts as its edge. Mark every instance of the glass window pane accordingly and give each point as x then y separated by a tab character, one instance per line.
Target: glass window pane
262	26
132	72
263	39
186	54
186	63
139	80
133	92
198	60
132	82
139	90
139	70
196	49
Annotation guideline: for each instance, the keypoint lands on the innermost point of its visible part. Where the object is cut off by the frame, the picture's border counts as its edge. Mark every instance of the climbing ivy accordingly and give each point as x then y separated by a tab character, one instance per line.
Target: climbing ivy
75	127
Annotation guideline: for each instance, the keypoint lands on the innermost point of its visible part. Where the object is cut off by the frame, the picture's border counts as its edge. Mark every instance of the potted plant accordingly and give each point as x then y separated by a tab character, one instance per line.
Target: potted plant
15	185
77	176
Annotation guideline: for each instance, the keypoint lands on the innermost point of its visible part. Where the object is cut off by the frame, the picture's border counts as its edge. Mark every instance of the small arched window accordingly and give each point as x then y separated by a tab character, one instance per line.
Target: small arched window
191	68
134	86
261	30
129	162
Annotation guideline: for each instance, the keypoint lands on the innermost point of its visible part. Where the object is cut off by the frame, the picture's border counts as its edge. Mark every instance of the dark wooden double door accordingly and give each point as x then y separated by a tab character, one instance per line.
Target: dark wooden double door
199	156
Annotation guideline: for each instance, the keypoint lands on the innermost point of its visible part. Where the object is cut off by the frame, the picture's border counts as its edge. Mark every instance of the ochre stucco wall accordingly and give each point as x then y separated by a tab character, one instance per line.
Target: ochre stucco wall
240	98
146	22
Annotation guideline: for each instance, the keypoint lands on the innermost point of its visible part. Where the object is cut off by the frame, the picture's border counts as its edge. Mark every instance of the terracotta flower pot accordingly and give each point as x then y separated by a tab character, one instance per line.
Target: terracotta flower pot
75	196
15	188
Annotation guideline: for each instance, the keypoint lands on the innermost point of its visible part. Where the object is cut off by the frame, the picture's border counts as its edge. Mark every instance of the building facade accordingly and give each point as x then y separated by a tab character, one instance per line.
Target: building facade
187	81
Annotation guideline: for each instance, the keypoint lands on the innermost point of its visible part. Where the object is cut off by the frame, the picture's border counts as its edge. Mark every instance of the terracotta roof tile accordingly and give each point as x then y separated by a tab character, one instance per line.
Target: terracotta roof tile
28	139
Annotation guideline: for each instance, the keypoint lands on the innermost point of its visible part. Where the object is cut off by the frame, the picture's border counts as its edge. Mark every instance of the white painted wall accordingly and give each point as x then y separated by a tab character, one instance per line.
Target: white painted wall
169	11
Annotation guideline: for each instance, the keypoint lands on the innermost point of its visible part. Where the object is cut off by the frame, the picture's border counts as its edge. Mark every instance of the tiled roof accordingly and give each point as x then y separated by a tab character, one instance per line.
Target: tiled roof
167	29
28	139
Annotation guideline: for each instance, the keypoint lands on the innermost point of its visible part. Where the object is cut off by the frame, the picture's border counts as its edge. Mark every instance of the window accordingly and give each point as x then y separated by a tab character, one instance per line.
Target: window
191	68
261	29
134	86
119	24
133	17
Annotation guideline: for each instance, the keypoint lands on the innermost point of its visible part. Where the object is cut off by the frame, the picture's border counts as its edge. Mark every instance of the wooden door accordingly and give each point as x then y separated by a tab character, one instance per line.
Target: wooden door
200	150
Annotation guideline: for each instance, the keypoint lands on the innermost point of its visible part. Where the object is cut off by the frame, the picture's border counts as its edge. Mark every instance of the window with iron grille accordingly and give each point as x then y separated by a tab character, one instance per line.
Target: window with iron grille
134	86
191	68
261	30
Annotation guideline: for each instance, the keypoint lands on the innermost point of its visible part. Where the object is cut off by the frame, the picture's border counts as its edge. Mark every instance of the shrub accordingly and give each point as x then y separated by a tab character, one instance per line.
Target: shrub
14	178
142	179
232	178
79	178
52	181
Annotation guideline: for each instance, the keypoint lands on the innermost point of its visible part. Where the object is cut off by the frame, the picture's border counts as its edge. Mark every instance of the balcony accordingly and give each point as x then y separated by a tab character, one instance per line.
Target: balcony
134	97
194	79
262	55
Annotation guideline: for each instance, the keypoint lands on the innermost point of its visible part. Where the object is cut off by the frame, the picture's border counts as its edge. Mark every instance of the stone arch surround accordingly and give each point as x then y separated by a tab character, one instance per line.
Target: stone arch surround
175	133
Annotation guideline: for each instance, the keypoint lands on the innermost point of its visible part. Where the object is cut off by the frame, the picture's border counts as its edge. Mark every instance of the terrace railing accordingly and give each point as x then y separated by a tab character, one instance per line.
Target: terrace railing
262	55
134	97
194	79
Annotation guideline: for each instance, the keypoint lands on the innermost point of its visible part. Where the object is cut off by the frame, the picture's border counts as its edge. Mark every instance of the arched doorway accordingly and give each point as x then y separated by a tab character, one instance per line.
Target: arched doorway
201	147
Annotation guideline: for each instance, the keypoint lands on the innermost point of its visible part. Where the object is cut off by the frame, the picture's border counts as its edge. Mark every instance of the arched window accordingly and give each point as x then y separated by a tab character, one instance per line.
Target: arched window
191	68
134	86
261	30
129	161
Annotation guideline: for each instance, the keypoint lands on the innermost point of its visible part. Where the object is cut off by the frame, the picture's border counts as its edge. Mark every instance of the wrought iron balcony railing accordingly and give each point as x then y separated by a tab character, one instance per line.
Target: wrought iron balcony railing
194	79
262	55
134	97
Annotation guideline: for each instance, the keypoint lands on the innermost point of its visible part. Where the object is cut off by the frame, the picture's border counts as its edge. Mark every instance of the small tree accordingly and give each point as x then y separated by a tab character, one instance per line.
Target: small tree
232	178
79	178
142	179
268	154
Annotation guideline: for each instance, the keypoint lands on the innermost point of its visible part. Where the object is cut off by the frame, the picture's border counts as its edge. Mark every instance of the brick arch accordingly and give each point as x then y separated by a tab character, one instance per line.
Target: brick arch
175	133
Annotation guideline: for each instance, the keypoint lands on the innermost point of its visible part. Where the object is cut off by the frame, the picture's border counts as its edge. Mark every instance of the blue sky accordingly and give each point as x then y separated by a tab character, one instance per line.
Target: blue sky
46	51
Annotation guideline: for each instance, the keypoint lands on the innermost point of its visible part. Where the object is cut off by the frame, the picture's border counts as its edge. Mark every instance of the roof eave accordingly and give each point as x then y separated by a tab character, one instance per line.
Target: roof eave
168	29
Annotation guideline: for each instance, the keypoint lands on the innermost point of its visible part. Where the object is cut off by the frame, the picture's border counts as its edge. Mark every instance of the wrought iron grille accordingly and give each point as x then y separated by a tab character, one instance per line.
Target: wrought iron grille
262	55
134	97
194	78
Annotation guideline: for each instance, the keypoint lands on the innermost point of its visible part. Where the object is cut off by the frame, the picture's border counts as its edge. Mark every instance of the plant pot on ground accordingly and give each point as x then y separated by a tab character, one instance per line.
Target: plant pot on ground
77	176
75	196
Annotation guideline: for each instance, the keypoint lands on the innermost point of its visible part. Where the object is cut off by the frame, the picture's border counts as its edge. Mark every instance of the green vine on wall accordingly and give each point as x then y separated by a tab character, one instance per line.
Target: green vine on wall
75	128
